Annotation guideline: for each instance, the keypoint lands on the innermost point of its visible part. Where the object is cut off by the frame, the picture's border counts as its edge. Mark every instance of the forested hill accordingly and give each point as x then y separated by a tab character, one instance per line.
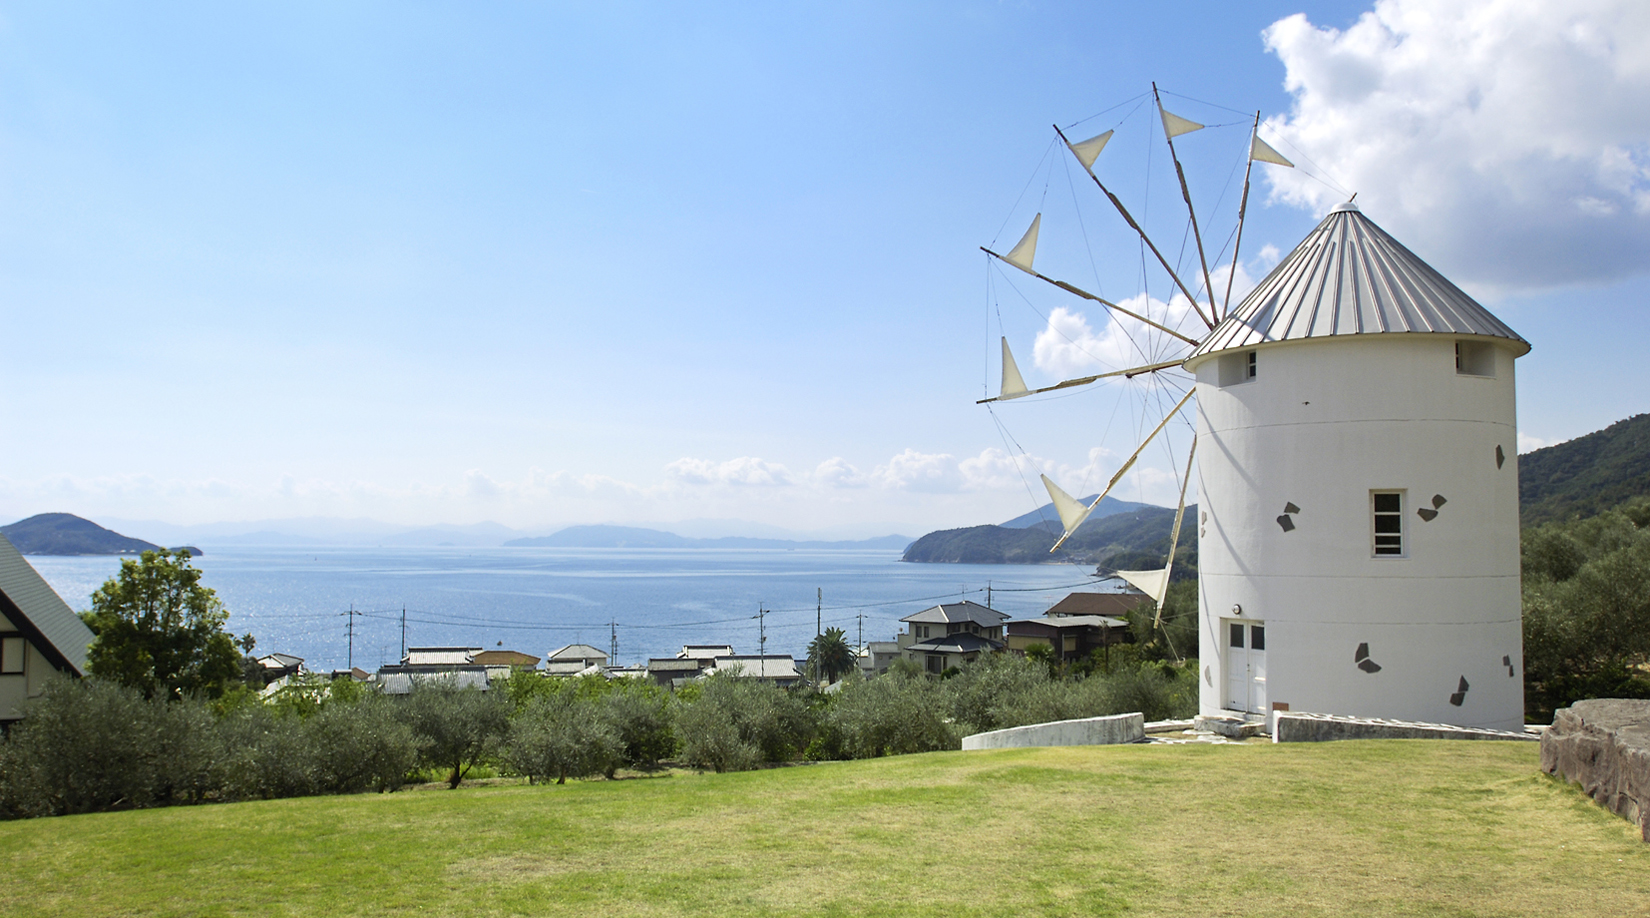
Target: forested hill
1587	475
1133	540
67	534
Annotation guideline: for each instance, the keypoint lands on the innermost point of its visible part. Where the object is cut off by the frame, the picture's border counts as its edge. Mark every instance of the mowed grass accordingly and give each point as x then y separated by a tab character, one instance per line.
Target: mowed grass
1356	828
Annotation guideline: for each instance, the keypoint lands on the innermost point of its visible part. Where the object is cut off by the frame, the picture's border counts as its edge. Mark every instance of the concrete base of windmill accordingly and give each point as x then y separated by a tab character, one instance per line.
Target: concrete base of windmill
1229	727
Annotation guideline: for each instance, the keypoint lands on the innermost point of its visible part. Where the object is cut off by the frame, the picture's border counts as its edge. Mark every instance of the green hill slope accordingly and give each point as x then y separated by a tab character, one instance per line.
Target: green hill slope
1131	540
67	534
1587	475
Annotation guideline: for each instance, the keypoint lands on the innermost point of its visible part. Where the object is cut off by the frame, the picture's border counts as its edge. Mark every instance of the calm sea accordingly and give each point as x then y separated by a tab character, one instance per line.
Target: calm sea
297	601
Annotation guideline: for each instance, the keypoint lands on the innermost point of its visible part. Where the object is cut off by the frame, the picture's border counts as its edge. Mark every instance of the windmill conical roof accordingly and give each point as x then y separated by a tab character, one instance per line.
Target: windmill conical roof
1348	277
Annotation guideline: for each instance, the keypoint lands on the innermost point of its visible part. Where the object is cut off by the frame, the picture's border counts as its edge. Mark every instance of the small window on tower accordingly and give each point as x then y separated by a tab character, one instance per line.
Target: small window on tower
1237	368
1387	509
1475	358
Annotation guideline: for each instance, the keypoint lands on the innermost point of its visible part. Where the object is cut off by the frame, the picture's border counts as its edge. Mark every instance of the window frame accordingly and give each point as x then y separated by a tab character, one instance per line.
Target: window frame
13	644
1376	515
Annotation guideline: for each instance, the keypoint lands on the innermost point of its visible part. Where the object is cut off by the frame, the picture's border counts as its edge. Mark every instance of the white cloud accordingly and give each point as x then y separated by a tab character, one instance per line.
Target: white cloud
914	471
1506	141
1068	346
837	472
745	470
477	485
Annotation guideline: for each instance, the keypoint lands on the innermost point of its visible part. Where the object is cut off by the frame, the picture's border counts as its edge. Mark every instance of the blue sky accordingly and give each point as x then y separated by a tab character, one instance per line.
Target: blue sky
547	264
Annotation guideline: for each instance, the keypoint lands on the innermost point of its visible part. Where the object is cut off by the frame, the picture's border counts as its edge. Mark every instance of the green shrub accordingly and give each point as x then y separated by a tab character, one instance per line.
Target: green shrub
562	736
732	723
455	728
893	714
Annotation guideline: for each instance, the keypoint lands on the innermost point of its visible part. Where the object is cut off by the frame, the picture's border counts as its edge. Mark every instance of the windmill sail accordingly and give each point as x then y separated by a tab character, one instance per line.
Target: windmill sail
1071	510
1026	249
1152	583
1261	151
1174	125
1014	385
1087	151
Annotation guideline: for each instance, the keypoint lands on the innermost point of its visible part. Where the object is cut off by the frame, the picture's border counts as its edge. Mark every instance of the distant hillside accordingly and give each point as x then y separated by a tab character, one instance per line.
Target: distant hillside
1045	517
633	537
1131	540
1586	475
67	534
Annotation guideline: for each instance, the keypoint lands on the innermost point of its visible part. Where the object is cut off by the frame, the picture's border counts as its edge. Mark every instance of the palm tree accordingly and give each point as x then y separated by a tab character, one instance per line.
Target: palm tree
830	656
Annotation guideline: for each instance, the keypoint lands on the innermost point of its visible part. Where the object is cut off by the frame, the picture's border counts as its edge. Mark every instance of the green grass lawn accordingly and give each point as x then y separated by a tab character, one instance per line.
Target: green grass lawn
1353	828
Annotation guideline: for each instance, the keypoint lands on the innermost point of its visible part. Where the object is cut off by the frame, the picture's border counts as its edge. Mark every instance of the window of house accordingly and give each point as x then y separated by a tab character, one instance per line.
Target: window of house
1387	512
1237	368
1474	358
11	654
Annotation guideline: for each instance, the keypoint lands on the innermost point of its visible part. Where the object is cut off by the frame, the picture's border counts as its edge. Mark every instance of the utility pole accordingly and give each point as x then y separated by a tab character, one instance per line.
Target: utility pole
988	594
762	630
613	642
861	617
819	632
403	632
351	629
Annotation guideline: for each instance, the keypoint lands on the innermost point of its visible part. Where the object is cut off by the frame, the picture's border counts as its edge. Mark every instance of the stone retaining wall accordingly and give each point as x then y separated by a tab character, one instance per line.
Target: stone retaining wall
1603	744
1086	731
1319	728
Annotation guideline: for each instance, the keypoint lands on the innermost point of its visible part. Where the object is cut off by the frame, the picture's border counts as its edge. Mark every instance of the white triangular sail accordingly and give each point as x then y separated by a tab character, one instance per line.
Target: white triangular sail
1261	151
1014	385
1026	249
1071	510
1174	125
1087	151
1152	583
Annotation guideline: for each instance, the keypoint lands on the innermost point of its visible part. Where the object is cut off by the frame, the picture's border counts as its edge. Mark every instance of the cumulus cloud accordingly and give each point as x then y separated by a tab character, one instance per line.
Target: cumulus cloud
915	471
837	472
1506	141
1069	346
1527	443
745	470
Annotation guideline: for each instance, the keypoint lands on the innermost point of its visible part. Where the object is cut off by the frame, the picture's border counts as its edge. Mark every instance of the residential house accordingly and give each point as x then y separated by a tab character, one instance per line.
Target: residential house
39	634
514	659
453	666
277	666
951	634
874	657
575	660
780	669
1115	605
1071	637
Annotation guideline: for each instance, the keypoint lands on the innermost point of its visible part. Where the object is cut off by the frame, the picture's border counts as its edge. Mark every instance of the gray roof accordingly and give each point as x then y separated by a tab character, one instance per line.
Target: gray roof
32	606
1348	277
1072	621
953	612
961	642
577	652
758	666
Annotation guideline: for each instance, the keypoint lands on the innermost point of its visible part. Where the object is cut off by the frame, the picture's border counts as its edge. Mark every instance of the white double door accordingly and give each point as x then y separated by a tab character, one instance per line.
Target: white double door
1245	666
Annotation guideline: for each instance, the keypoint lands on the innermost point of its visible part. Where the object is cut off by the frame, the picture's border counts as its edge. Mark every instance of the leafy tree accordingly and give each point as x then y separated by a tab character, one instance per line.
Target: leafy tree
562	736
1586	609
894	714
830	656
159	631
733	723
456	728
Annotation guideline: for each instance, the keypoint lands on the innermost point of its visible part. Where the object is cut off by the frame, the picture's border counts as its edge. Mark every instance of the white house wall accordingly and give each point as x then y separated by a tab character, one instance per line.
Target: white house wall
1323	423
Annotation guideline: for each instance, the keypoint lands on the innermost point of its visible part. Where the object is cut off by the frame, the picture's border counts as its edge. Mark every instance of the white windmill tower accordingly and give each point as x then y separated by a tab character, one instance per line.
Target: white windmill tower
1355	433
1358	529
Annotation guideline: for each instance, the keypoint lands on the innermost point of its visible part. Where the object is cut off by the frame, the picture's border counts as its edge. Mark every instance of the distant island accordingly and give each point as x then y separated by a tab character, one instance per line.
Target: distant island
1119	535
635	537
67	534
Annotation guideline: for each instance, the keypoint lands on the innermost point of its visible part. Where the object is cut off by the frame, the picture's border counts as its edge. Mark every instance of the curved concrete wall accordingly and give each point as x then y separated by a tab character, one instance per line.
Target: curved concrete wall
1086	731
